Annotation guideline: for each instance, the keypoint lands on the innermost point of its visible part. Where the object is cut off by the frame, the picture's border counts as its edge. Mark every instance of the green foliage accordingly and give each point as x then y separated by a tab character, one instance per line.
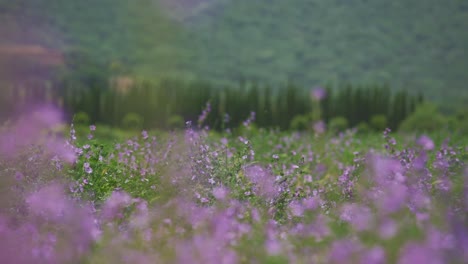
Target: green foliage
106	177
175	122
378	122
460	121
285	107
426	118
274	41
338	124
300	122
363	128
81	118
132	121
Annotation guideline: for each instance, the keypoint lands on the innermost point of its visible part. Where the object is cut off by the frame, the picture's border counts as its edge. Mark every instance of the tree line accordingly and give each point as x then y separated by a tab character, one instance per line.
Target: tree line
170	103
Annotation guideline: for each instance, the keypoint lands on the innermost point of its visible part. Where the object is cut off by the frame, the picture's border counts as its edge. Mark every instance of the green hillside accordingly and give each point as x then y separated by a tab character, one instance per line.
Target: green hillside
410	44
417	45
134	33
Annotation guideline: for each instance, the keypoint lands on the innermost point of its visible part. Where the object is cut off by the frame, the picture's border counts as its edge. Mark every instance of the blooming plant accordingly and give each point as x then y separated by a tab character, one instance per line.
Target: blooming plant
201	197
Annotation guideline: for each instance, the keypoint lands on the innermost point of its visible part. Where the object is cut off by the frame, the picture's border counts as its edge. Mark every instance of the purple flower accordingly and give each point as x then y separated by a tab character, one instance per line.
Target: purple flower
19	176
318	93
375	255
49	202
273	247
140	219
87	168
426	142
388	228
263	180
227	118
311	203
360	217
386	169
204	115
92	127
144	134
393	198
319	127
296	209
48	116
342	251
249	120
220	193
414	253
115	203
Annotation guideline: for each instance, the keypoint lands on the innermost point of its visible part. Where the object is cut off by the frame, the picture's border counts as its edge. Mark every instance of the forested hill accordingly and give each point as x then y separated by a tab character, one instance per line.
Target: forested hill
420	44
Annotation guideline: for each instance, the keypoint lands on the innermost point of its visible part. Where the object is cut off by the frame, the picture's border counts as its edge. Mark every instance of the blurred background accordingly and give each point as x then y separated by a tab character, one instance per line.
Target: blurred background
159	63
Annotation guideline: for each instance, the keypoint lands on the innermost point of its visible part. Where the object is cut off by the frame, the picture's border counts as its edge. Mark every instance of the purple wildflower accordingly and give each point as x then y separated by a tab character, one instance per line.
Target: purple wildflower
117	201
342	251
204	115
273	246
49	202
318	94
87	168
263	180
19	176
144	134
415	253
426	142
388	228
359	216
375	255
249	120
220	193
296	208
319	127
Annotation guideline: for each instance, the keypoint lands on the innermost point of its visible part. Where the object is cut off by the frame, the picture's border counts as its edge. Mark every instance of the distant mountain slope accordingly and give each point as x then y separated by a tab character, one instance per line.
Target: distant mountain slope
411	44
135	32
419	44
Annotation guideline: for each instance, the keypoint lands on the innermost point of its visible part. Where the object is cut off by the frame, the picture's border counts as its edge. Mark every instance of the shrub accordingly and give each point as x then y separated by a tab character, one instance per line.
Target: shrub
176	122
132	121
300	122
459	123
338	124
378	122
426	118
81	118
363	128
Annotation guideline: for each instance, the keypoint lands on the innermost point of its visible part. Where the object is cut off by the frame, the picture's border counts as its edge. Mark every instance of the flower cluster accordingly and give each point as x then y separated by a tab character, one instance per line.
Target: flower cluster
201	197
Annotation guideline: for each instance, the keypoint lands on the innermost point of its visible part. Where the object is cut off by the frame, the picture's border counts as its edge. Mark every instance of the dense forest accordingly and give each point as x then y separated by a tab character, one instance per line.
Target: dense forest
418	45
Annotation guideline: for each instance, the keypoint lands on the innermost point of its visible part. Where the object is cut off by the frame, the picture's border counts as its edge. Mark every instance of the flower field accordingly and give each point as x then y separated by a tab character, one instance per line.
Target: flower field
242	196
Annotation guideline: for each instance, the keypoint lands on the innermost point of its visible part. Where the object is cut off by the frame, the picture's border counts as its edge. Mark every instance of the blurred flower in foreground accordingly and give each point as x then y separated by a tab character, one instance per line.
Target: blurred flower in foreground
426	142
415	253
114	204
31	129
263	180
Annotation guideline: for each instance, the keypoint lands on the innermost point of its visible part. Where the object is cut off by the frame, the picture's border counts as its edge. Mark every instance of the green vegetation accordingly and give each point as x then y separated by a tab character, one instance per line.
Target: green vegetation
202	131
418	45
169	104
198	196
426	118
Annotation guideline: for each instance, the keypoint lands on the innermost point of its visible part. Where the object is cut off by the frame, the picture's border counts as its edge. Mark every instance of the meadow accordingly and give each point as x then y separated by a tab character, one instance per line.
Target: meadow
94	194
223	132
